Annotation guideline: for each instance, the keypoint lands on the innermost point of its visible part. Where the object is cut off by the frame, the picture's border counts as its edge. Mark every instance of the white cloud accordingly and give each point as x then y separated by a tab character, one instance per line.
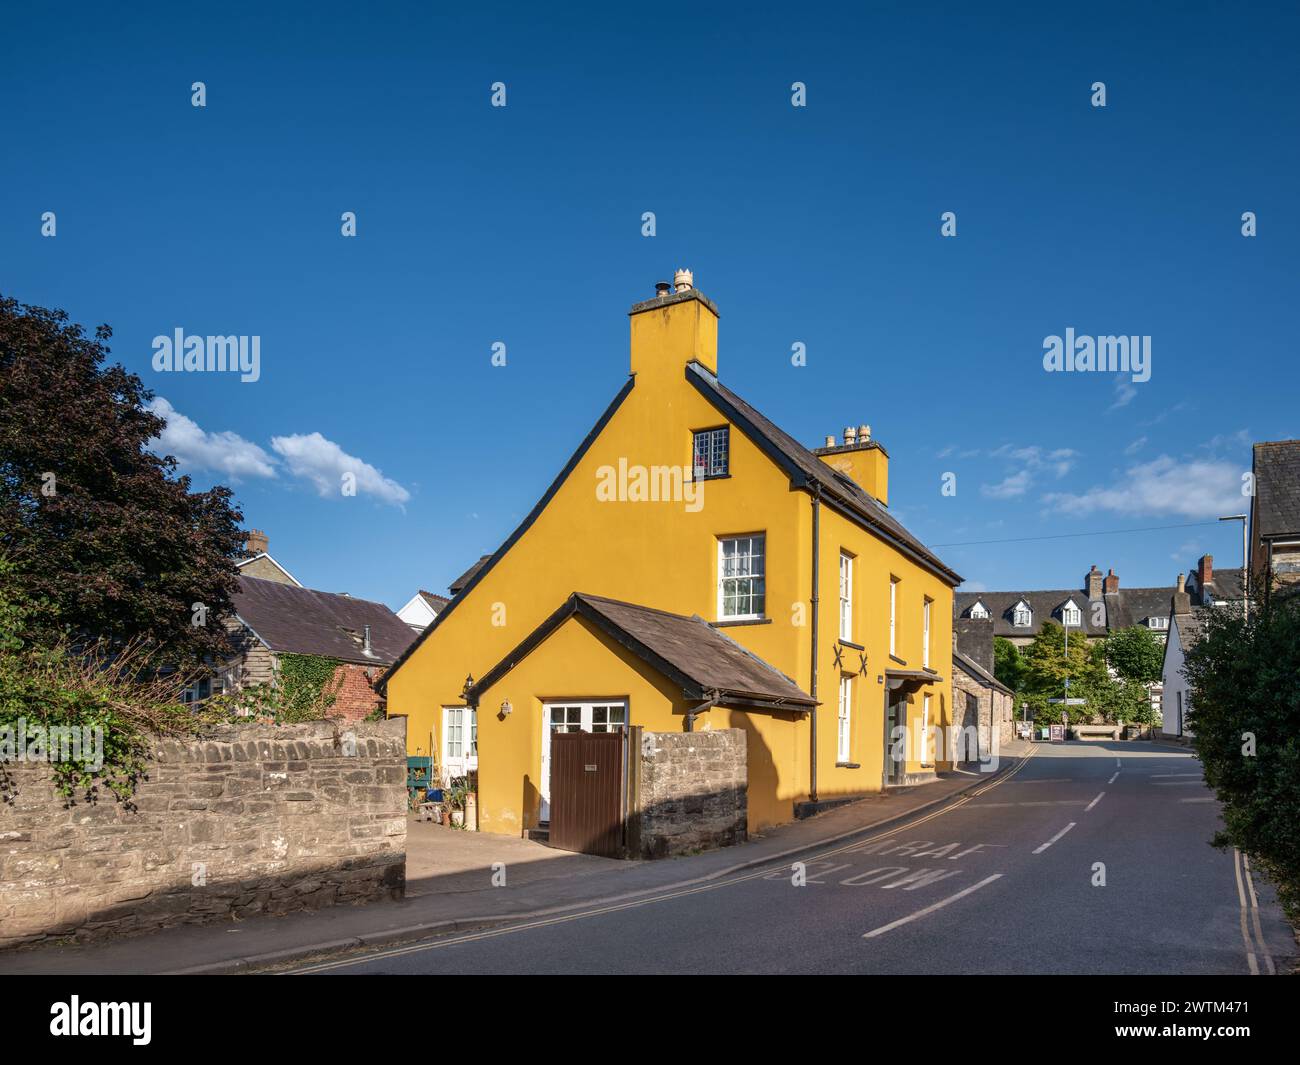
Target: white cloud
1136	446
324	463
225	452
1009	488
1124	393
1198	488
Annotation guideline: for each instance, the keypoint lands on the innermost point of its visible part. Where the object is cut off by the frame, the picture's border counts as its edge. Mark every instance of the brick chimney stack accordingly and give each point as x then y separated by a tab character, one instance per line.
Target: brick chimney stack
1204	572
256	544
1092	582
1111	584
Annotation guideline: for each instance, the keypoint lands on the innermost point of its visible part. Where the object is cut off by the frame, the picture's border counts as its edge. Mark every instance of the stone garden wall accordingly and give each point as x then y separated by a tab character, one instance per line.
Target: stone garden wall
253	819
692	791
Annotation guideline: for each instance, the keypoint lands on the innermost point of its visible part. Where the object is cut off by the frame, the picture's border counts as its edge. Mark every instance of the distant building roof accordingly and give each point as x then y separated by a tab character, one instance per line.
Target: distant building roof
689	650
1277	489
298	620
463	580
436	602
1043	605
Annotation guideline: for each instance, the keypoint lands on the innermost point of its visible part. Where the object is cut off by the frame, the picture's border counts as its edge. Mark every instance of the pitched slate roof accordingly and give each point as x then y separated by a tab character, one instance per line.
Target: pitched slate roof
436	602
461	582
688	650
974	669
1132	606
1225	584
304	621
1044	605
1277	488
1191	627
804	467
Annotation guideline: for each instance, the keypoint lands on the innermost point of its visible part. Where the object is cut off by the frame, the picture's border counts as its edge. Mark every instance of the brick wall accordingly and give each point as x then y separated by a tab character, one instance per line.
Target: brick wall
692	791
356	696
254	819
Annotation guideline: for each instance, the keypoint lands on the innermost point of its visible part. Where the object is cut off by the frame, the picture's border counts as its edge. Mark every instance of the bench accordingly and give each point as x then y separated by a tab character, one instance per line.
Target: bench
1105	732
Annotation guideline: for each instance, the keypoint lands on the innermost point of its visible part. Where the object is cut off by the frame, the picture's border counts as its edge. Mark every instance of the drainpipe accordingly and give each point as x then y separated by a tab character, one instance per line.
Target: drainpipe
812	688
699	709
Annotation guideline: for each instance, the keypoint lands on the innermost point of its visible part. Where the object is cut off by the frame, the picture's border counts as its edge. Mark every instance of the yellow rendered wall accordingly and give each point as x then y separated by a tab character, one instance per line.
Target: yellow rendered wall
664	555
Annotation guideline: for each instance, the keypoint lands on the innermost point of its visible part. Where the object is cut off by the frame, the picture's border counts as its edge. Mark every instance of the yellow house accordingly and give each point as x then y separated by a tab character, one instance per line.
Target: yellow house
694	567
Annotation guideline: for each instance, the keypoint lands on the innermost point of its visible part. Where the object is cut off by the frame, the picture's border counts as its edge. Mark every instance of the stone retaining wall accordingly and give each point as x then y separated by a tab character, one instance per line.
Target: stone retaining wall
253	819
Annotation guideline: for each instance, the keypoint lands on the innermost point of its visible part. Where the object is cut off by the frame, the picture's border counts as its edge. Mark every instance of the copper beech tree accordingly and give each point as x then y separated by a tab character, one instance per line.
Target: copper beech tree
105	538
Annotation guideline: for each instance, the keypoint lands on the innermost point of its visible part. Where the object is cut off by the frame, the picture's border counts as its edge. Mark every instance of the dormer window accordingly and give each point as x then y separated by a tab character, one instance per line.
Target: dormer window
979	610
712	452
1022	617
1157	623
1071	616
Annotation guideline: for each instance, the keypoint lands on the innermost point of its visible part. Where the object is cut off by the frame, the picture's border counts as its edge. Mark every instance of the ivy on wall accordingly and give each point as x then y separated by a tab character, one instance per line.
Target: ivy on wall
308	686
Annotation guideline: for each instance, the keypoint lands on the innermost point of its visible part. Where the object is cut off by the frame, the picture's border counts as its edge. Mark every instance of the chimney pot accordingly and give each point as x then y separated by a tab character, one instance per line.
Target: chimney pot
1182	582
830	441
662	288
683	280
864	433
850	435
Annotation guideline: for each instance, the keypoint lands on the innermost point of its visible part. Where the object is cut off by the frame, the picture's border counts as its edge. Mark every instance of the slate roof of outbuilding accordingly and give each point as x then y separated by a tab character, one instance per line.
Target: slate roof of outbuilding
303	621
686	649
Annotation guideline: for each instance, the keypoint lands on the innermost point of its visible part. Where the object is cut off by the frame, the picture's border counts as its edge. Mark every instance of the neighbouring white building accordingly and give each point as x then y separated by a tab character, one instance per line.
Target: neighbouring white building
422	609
1186	623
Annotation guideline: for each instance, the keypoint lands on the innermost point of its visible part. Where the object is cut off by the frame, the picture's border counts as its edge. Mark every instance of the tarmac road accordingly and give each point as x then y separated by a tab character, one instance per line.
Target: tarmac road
1090	858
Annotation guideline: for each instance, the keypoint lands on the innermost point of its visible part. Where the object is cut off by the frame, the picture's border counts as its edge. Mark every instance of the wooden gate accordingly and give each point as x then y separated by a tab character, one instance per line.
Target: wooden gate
587	792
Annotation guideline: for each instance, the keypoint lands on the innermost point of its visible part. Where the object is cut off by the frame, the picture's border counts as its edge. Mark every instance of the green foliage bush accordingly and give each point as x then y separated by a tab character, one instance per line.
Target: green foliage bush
1245	713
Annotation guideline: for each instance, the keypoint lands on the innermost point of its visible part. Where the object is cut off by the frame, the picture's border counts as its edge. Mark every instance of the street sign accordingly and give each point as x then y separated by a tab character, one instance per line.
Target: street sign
1058	733
1069	702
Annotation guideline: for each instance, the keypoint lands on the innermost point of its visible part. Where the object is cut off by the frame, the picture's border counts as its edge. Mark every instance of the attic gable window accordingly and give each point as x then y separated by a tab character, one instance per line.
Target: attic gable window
1070	615
1022	617
712	452
979	610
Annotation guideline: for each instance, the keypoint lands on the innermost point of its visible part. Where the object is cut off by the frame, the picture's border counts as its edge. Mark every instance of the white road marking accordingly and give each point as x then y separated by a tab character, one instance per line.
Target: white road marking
929	909
1039	850
1095	801
1113	776
1210	799
1117	763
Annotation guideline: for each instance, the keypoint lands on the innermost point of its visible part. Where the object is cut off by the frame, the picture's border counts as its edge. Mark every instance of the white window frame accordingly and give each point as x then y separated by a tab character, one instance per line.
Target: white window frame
925	730
979	610
718	447
1022	608
893	616
926	604
579	716
758	578
459	729
846	596
1071	616
844	722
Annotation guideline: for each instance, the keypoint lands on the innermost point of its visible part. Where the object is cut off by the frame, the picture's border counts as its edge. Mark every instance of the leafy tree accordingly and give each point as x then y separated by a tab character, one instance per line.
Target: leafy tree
105	539
1245	713
1008	666
1135	653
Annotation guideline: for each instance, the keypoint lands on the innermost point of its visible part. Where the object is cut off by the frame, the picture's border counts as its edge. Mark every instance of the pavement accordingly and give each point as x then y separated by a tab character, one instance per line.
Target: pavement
454	883
1089	857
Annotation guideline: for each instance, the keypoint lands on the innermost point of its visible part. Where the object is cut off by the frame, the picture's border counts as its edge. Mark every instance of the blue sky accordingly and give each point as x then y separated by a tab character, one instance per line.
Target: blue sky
818	225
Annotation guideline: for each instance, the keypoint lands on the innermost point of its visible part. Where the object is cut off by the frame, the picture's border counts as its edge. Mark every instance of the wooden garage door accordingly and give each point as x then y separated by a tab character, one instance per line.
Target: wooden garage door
587	792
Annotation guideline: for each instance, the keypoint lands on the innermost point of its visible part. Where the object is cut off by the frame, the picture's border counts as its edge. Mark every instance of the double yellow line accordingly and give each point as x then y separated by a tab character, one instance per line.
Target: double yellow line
492	933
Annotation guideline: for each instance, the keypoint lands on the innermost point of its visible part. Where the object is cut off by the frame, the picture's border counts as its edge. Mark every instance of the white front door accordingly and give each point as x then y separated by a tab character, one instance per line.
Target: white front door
459	742
575	716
